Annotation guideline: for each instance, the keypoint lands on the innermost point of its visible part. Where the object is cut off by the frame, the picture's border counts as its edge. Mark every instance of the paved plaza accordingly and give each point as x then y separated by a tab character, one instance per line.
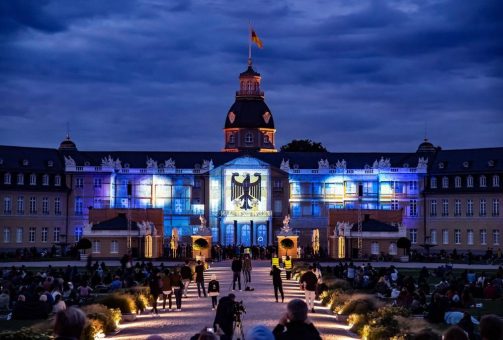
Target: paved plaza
260	306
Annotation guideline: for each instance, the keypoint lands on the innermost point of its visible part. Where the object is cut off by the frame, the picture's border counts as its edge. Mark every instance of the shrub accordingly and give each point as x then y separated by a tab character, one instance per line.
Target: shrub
358	306
326	297
125	302
383	323
24	334
109	318
93	330
141	302
337	301
357	322
337	284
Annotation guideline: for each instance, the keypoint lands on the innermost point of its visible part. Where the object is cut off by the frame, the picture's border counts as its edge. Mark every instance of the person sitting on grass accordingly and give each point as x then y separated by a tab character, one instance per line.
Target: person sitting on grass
70	324
491	327
294	324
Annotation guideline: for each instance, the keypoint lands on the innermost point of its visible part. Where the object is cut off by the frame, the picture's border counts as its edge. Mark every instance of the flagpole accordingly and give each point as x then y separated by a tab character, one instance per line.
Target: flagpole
249	44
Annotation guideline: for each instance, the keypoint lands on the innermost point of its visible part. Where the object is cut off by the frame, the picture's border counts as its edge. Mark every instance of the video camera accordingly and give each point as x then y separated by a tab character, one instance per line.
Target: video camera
239	309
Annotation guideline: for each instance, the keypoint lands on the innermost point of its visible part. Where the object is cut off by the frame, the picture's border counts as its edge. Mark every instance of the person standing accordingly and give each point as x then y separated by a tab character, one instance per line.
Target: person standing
224	317
247	268
177	287
167	291
294	324
308	283
288	267
213	290
319	280
277	283
186	274
155	285
236	266
200	278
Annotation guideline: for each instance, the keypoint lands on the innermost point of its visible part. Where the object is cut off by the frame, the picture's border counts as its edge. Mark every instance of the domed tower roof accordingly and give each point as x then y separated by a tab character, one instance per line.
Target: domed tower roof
67	144
249	123
426	146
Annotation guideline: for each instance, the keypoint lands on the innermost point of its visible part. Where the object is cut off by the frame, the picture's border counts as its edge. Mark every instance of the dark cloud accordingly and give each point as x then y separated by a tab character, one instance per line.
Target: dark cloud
158	75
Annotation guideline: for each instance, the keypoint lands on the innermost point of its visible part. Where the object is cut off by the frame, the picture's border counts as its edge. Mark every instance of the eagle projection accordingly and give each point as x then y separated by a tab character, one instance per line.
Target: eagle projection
246	191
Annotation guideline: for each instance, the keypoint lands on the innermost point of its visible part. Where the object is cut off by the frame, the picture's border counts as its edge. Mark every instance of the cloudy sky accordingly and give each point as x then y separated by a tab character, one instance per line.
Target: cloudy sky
161	75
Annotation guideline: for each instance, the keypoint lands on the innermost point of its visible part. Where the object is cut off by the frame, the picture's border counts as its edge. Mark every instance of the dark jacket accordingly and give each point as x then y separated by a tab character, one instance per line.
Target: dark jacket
155	285
186	273
276	276
237	265
309	279
224	315
199	273
213	286
296	331
176	281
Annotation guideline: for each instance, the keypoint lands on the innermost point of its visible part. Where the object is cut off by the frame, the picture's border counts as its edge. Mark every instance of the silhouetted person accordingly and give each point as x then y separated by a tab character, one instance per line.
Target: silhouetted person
277	283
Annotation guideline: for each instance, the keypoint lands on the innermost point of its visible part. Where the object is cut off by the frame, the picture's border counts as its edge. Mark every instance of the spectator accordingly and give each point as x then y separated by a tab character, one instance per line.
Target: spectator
236	266
69	324
288	267
455	333
259	332
4	300
186	275
177	286
224	317
116	283
491	327
167	290
308	283
200	279
155	286
247	269
213	290
277	283
294	324
59	305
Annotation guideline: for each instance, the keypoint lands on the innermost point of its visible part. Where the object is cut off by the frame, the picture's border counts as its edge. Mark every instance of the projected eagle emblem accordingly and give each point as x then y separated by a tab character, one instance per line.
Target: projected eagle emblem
246	191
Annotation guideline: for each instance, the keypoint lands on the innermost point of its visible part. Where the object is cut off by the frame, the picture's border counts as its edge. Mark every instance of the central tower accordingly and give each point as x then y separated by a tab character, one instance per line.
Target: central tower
249	125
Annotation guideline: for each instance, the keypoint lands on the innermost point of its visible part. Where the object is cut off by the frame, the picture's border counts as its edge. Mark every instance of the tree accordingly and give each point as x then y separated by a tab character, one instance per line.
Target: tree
303	145
287	244
84	243
404	243
200	244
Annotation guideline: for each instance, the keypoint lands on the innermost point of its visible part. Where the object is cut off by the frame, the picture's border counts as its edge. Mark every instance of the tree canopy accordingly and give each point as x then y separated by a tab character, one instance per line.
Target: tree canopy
303	145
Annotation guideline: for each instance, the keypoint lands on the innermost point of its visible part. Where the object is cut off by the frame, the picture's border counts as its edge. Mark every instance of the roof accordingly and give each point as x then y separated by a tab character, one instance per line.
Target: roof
38	159
249	72
117	223
468	161
249	112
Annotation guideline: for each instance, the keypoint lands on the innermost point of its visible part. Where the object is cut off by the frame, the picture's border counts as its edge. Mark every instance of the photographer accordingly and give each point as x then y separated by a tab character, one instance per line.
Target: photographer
224	318
294	325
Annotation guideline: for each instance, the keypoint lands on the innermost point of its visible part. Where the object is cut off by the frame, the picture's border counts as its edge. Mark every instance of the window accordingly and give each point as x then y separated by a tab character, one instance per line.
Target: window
496	237
33	205
33	179
392	249
248	137
469	237
469	207
413	236
496	181
262	235
295	209
7	178
78	233
445	236
232	138
229	234
19	235
96	246
457	208
413	185
278	206
457	182
394	204
445	207
483	206
433	208
79	182
496	206
57	180
374	248
20	205
56	234
6	235
57	206
266	139
32	233
457	236
483	237
78	206
114	247
214	234
482	181
197	183
433	236
315	207
469	181
445	182
413	208
45	180
245	235
7	206
45	205
433	183
45	232
97	182
278	184
20	179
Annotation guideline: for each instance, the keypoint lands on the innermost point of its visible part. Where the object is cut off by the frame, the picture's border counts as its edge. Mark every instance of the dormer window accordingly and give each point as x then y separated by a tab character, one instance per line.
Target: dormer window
45	179
249	137
33	179
441	165
7	178
445	182
466	164
232	138
57	180
20	179
490	163
50	164
457	182
496	181
469	181
433	183
483	181
25	162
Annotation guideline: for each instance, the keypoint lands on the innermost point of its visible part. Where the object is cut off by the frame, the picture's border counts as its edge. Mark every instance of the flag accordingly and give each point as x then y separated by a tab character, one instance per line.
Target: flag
256	39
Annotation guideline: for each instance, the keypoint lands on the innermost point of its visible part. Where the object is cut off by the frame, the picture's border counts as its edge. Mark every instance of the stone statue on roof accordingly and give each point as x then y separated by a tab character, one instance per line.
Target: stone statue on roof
422	163
151	164
286	224
169	164
323	164
69	162
207	165
285	165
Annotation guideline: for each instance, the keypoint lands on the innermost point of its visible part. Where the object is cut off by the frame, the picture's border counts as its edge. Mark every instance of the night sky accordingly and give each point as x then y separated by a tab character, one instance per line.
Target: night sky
161	75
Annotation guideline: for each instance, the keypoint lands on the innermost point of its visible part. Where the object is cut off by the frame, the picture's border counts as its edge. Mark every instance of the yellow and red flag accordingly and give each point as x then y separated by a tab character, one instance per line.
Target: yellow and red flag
256	39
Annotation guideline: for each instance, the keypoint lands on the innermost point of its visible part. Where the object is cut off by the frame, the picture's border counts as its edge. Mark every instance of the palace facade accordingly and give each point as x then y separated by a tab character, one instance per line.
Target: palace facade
449	199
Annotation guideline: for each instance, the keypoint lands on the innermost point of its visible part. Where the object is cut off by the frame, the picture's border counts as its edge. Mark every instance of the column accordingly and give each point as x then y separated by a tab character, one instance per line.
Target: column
267	232
252	240
235	232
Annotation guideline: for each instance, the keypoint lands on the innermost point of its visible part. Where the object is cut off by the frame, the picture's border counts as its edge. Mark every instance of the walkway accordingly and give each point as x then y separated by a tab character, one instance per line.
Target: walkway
260	306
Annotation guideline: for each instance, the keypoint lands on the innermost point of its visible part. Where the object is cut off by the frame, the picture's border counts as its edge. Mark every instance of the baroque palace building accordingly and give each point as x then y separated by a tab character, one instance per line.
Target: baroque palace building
444	198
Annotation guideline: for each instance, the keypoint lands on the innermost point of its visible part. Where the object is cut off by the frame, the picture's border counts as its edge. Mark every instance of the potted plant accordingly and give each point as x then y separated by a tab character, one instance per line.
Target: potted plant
83	244
200	244
287	244
405	244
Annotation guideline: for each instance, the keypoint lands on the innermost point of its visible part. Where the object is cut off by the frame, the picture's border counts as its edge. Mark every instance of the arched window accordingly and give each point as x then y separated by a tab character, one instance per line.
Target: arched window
245	235
445	182
229	234
20	179
33	179
483	181
249	137
374	248
457	182
262	235
496	181
7	178
392	250
469	181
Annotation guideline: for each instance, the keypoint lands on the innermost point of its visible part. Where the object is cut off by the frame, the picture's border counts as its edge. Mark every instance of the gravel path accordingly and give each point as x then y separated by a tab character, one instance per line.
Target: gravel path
260	306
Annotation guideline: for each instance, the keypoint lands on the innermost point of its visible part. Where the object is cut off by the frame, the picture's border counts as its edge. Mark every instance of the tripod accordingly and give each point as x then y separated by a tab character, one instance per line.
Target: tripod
238	324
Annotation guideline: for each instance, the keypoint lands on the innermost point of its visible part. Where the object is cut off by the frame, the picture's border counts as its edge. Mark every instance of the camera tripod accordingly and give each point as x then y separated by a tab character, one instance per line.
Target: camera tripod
238	324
